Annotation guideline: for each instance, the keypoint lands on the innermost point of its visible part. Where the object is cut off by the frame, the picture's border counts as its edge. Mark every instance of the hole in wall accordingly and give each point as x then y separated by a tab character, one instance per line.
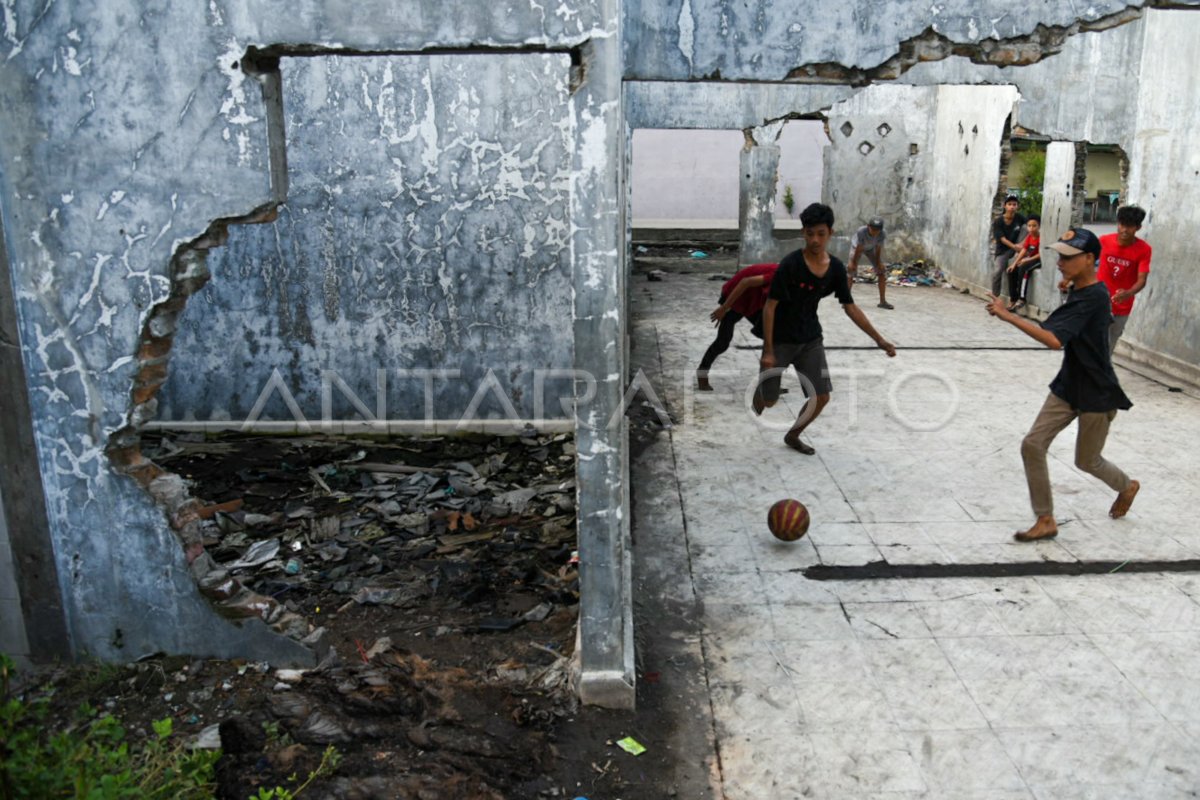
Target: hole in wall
419	266
846	129
865	147
883	130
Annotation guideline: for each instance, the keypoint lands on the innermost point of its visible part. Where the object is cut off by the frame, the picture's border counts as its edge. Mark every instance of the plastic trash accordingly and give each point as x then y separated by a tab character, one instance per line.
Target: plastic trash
699	254
631	745
259	553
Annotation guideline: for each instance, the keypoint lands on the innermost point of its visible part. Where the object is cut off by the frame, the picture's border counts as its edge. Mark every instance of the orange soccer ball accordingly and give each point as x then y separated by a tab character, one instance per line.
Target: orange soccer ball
788	520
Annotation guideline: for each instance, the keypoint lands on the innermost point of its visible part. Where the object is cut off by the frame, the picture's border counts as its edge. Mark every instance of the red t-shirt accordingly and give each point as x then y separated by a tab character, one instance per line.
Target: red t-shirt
1120	267
1033	244
752	300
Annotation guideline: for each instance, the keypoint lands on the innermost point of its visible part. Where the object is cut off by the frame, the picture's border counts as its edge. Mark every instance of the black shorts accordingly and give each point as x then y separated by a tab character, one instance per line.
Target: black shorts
808	360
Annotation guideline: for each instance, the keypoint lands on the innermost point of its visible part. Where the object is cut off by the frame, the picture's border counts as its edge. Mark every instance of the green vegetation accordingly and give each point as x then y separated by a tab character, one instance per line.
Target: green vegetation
1033	178
90	757
789	199
329	763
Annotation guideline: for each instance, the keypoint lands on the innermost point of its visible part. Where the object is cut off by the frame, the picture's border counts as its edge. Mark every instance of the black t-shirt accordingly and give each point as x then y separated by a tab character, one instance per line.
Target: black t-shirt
799	291
1086	379
1013	231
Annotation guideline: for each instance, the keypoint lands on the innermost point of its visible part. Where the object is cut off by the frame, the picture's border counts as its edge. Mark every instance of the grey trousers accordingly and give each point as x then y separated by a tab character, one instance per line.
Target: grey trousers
1000	270
1115	330
1055	415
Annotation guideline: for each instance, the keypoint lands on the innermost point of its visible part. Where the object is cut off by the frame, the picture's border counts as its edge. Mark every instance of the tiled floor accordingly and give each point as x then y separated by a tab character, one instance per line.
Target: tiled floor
978	687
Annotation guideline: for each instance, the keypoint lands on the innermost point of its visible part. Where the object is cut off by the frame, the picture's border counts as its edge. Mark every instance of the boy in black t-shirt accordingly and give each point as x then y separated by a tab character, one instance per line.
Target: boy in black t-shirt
1085	387
1007	230
791	330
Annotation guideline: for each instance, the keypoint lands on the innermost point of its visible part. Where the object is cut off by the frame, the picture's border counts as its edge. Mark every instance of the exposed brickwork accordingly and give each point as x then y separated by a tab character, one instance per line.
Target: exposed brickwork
933	46
187	515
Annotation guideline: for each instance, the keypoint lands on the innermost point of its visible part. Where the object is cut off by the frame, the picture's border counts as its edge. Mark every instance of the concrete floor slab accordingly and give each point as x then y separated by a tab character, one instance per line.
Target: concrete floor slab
983	686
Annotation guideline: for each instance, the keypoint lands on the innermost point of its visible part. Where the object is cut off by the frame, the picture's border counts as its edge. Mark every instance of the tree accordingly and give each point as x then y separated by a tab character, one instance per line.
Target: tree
1033	178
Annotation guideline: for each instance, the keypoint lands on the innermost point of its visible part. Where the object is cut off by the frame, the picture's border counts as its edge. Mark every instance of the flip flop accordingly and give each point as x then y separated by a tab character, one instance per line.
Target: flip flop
1023	536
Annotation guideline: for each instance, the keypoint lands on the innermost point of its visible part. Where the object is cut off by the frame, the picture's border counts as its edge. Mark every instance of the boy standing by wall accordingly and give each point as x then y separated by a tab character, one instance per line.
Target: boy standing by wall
1006	231
791	330
1124	267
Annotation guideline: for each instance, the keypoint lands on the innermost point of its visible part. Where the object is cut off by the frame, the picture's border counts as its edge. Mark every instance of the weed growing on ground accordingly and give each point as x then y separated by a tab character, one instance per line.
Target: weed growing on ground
89	756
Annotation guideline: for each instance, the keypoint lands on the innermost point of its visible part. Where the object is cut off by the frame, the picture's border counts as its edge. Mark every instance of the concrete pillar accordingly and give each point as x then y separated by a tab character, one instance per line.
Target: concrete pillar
756	197
756	203
597	211
39	628
1058	203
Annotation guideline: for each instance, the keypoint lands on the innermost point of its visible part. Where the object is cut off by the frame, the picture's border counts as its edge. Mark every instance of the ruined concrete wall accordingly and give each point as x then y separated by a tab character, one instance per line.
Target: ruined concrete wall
426	228
1164	178
132	131
880	151
963	175
104	174
682	40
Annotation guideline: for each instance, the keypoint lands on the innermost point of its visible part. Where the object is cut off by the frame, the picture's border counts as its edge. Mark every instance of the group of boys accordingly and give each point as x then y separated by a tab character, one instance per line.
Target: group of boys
781	302
1124	261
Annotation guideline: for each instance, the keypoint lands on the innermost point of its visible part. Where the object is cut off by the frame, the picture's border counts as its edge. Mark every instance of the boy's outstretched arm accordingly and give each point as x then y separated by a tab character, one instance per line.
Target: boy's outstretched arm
742	286
997	308
768	352
860	319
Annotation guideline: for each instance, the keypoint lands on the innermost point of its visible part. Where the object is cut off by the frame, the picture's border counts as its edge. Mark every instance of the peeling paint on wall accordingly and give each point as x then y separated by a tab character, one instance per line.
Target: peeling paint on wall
425	228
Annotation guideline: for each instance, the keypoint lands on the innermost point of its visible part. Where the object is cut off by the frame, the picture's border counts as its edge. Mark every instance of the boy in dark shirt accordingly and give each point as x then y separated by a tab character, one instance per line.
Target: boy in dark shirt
1006	232
791	330
1085	387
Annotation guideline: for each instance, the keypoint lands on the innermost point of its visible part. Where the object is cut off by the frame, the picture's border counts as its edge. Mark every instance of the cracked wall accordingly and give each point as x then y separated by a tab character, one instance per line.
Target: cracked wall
134	129
425	228
128	141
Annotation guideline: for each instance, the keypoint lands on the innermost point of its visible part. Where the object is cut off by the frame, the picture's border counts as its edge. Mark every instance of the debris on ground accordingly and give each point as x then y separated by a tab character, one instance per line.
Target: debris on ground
920	272
438	578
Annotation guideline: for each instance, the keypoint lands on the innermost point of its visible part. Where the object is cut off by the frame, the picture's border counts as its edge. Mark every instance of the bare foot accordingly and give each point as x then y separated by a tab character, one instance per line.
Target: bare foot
793	441
1044	528
1120	506
702	381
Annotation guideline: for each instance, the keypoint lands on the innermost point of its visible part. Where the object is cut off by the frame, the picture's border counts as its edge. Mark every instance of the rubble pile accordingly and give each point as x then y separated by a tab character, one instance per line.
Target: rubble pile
310	522
436	577
921	272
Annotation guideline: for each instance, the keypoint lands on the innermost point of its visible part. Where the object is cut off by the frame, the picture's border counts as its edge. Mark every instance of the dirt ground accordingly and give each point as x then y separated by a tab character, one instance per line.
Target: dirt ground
447	589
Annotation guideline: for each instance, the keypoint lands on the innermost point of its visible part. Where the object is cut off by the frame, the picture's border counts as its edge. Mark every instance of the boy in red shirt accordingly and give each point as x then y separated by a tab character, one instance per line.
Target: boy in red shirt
1124	267
743	295
1027	260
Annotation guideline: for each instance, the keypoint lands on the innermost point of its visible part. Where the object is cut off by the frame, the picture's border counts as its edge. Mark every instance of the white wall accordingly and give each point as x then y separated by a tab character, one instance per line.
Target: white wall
1164	178
964	173
692	175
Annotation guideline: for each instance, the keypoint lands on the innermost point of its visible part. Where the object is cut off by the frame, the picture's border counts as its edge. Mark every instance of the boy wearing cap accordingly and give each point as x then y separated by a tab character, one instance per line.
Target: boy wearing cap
1085	388
791	329
1006	231
868	241
742	296
1124	267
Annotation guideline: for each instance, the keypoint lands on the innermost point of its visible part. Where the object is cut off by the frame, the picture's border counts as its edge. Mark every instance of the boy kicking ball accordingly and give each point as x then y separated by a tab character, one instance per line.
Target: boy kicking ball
791	330
1085	388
